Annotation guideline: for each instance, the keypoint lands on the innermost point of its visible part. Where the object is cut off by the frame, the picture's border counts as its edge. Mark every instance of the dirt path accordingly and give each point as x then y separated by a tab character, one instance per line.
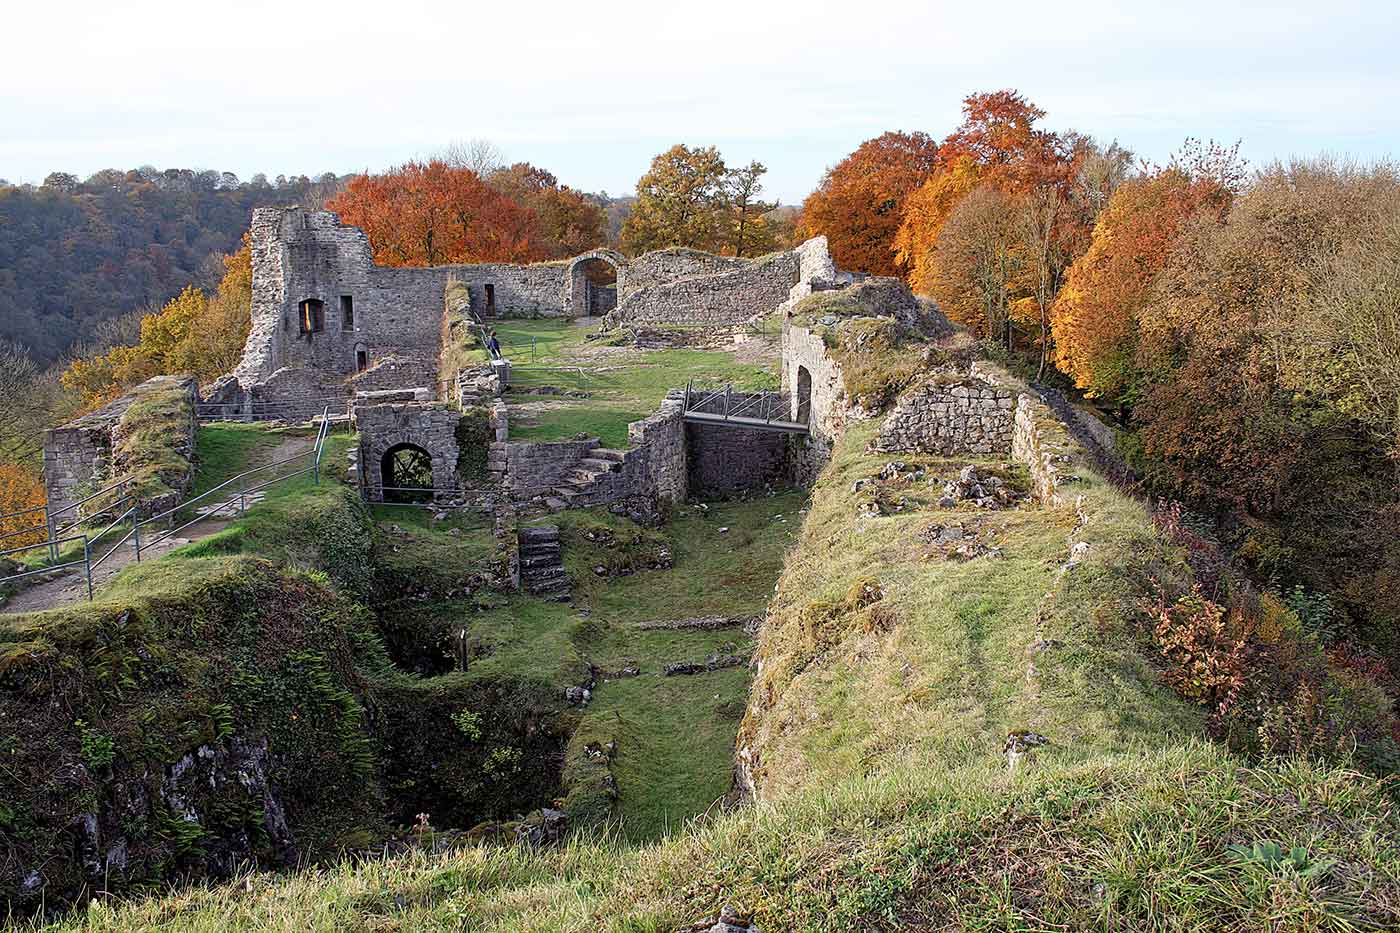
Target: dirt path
70	586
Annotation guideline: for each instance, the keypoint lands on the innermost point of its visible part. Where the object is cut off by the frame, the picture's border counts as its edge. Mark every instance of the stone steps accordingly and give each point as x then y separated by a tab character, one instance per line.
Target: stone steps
542	563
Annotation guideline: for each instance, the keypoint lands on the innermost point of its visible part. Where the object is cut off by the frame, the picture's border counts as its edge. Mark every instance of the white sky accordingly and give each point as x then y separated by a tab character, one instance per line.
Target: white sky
592	91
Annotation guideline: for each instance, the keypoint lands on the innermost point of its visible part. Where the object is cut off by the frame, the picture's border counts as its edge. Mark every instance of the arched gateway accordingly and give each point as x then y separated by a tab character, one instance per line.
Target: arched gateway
593	282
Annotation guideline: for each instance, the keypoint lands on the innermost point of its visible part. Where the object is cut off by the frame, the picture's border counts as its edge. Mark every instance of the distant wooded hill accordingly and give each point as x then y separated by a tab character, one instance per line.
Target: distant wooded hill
75	254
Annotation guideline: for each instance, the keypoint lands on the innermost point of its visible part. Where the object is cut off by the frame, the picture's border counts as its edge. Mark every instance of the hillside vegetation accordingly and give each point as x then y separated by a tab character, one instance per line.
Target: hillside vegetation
891	671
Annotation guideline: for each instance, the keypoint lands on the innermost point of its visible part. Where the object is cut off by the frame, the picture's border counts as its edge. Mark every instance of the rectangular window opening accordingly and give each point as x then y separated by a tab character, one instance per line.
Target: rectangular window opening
313	316
490	299
347	312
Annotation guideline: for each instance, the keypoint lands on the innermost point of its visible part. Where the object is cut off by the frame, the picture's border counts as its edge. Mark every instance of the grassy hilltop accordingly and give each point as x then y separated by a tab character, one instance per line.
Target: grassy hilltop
890	672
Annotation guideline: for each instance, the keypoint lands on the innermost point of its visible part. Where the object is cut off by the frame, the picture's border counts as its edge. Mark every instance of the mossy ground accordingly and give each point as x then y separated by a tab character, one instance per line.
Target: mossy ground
911	820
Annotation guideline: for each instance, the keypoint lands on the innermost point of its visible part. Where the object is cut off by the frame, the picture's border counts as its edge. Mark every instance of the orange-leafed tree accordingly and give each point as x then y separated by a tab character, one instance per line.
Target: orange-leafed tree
859	204
997	145
1095	319
20	489
982	261
569	223
431	213
925	213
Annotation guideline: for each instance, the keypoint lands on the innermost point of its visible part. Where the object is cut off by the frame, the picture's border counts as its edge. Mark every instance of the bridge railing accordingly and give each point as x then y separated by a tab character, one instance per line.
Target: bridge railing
766	406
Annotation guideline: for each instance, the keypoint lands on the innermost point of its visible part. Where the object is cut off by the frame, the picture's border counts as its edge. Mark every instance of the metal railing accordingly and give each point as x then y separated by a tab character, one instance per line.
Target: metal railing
175	519
743	409
420	496
239	499
51	524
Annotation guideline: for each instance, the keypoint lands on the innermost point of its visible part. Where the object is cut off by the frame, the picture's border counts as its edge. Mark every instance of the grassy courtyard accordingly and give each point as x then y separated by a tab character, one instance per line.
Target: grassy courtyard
621	383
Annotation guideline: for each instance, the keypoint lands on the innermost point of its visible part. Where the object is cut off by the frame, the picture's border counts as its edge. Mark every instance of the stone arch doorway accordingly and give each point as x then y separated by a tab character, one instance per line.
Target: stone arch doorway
407	474
593	283
802	409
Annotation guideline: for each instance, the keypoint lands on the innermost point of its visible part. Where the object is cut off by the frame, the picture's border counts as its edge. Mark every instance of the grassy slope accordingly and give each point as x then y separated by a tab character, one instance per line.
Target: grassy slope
624	386
912	820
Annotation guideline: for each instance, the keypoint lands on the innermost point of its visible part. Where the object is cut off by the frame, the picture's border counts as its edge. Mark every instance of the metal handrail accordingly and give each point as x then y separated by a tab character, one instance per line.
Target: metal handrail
54	540
322	432
435	491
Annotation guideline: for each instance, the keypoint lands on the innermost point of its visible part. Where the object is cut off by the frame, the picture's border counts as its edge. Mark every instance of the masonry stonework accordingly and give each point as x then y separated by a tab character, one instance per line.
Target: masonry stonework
321	305
78	455
818	391
948	415
429	426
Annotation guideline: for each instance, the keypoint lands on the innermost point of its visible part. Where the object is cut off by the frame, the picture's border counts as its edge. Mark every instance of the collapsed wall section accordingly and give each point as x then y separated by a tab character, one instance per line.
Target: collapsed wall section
730	296
89	453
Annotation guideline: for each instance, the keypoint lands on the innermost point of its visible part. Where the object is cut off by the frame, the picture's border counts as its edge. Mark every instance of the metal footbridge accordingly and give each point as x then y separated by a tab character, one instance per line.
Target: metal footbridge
763	411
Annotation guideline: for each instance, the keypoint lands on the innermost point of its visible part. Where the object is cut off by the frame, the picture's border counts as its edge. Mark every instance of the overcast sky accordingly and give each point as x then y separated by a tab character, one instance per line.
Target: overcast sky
592	91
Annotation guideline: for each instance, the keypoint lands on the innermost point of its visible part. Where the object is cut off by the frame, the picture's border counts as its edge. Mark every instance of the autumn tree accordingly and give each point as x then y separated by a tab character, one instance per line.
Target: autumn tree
999	145
860	202
569	222
193	333
1095	320
30	398
681	201
750	232
20	489
1259	359
981	259
432	213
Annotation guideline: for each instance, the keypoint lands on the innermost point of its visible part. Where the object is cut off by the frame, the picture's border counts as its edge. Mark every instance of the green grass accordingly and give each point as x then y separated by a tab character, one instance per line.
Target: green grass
225	450
623	385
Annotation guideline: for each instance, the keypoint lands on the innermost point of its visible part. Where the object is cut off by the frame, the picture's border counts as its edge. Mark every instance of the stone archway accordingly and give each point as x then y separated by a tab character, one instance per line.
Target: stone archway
407	472
593	282
802	401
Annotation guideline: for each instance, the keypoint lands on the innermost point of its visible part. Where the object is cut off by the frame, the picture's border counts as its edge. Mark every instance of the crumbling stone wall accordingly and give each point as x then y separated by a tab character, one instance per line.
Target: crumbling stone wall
816	271
431	426
948	415
654	464
298	394
534	468
806	362
725	460
78	457
728	296
76	453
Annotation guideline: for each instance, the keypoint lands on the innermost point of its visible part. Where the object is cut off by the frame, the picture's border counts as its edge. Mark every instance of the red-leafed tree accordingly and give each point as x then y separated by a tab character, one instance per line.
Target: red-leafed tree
569	223
430	213
859	204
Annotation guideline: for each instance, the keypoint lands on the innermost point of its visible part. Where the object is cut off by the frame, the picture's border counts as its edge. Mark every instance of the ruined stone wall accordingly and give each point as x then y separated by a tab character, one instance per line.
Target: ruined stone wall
78	457
816	271
534	468
1040	439
395	312
663	266
76	453
395	372
827	405
950	415
537	290
298	394
726	460
431	426
654	464
728	297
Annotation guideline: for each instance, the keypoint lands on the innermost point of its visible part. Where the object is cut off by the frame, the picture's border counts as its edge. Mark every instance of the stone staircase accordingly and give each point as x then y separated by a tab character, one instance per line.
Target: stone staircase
584	476
542	563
